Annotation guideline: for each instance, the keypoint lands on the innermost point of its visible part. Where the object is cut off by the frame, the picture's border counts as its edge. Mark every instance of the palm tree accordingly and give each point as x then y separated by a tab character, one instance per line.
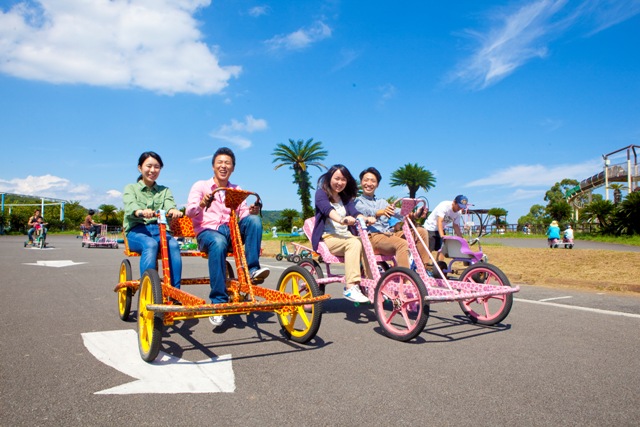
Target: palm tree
498	213
414	177
617	192
600	211
106	211
298	155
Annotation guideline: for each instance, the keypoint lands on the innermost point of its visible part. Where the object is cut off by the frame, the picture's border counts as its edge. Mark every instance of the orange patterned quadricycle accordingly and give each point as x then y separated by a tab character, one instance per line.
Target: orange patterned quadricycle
297	300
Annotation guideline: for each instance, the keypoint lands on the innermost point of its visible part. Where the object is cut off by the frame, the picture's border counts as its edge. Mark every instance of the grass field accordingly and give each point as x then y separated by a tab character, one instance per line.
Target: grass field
610	271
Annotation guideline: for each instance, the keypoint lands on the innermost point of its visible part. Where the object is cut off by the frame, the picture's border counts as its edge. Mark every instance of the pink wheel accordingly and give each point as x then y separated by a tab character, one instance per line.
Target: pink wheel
488	310
400	304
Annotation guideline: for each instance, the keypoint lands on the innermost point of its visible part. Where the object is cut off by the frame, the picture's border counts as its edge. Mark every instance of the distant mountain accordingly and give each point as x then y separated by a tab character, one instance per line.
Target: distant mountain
270	216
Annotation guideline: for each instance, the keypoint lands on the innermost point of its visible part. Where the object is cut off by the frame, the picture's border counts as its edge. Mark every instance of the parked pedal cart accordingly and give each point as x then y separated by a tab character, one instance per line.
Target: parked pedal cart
297	300
401	296
299	252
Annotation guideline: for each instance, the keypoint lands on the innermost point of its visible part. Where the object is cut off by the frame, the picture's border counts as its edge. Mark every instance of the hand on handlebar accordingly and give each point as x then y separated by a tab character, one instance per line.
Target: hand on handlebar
206	200
389	211
145	213
175	213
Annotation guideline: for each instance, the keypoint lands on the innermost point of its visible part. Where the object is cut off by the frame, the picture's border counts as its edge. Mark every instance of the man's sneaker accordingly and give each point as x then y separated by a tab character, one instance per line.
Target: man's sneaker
260	274
354	294
216	320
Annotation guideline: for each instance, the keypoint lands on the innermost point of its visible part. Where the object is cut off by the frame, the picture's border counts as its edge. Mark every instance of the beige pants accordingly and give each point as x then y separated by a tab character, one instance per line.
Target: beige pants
395	244
351	249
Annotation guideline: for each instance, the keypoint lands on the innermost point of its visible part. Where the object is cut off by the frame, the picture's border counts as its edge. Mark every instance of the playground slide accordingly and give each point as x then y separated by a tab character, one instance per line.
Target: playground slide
616	173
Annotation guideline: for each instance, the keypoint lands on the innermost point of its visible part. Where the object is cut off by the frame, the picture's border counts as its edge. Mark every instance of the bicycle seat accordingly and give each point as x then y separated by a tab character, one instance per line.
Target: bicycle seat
323	250
457	247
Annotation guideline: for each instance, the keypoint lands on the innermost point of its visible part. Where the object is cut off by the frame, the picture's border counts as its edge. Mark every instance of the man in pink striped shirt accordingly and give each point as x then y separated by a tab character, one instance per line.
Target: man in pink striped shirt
212	227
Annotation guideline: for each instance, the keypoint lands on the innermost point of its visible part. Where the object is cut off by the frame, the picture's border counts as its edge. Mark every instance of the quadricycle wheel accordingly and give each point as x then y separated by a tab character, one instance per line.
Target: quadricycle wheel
150	323
314	269
400	305
302	324
125	295
488	310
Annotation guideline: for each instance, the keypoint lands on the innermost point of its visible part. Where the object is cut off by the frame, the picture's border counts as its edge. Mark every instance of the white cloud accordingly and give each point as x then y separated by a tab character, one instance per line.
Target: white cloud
232	132
524	34
301	38
538	175
258	11
54	187
113	43
387	92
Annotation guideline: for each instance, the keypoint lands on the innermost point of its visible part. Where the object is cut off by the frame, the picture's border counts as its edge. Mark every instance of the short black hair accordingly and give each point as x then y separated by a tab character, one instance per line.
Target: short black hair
373	171
91	212
224	151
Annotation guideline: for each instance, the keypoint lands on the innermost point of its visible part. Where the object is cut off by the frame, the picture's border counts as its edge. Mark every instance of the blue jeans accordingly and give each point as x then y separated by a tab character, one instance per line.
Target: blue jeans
33	230
145	239
217	243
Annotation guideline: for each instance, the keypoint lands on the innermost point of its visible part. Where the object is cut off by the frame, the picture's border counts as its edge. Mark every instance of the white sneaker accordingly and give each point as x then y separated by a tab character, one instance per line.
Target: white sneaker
354	294
260	274
216	320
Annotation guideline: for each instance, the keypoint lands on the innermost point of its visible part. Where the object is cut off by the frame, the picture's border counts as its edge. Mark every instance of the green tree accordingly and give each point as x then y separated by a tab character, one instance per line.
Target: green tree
617	192
557	206
413	177
287	219
559	210
535	218
299	155
74	214
627	215
599	211
106	211
498	213
559	189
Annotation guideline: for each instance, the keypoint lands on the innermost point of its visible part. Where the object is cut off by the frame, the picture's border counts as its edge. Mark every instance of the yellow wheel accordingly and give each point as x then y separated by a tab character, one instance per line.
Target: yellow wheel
149	323
303	323
124	294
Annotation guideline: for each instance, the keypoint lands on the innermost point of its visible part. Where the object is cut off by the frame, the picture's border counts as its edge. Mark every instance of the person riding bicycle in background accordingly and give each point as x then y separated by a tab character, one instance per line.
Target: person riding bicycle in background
386	235
36	222
447	212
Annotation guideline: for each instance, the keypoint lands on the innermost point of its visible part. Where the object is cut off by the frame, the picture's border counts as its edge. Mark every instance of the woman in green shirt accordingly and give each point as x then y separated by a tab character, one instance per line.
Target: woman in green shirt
141	201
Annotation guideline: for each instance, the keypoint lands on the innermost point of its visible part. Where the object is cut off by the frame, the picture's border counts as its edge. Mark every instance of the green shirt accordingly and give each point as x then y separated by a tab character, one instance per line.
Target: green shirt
139	196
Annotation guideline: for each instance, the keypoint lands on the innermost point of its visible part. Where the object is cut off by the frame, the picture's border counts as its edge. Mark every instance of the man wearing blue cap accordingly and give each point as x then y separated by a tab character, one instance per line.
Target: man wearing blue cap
447	212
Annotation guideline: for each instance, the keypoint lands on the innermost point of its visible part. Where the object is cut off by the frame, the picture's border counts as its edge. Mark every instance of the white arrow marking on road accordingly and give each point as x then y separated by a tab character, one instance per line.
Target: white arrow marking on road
168	374
57	264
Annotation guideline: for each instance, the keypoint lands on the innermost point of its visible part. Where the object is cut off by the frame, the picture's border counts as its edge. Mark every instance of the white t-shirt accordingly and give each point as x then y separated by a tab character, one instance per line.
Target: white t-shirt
443	210
332	227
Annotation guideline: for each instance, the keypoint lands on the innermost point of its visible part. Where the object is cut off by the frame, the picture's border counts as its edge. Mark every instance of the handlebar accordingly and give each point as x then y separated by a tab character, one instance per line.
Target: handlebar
257	203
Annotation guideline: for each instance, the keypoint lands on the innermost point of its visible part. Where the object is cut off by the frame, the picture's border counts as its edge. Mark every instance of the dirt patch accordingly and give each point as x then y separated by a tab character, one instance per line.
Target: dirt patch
611	271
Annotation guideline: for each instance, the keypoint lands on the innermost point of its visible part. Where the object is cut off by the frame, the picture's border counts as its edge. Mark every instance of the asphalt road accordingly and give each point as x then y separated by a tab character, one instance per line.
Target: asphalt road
562	357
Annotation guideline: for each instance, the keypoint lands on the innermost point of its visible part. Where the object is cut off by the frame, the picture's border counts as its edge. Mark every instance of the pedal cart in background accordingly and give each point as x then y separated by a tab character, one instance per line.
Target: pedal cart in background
297	301
39	237
567	242
101	240
299	252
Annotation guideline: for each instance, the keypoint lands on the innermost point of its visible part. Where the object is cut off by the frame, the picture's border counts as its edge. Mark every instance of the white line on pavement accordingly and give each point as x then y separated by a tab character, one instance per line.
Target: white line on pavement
552	299
575	307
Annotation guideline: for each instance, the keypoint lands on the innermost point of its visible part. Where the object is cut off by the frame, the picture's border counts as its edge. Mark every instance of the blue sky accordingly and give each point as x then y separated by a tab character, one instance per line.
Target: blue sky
498	99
